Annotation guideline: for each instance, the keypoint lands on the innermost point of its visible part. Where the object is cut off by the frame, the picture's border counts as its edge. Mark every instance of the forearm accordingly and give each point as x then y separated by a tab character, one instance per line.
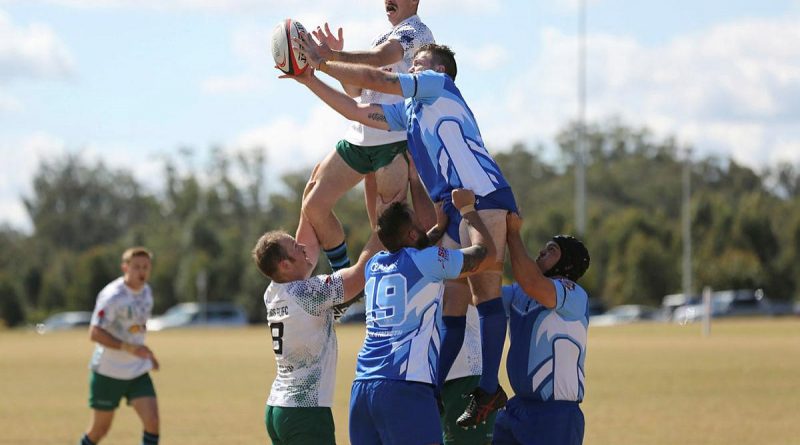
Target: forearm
353	276
363	77
436	233
480	236
340	102
103	338
368	57
528	275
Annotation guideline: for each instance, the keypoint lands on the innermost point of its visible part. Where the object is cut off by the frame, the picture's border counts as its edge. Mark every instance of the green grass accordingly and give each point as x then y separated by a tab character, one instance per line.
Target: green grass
646	384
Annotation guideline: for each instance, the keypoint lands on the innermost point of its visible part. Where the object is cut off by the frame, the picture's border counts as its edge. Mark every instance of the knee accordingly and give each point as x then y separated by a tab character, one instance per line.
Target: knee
316	205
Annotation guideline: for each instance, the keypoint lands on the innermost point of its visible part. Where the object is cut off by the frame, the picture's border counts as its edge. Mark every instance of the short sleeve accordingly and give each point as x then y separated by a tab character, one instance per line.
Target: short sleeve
395	116
104	314
425	86
571	299
405	35
319	293
438	262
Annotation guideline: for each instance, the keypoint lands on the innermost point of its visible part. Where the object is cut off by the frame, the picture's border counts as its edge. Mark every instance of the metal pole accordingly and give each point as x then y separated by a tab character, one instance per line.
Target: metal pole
687	225
707	311
580	146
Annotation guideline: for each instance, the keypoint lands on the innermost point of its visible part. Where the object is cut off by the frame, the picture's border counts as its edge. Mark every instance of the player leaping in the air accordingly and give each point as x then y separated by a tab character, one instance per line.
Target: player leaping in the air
365	151
300	316
448	150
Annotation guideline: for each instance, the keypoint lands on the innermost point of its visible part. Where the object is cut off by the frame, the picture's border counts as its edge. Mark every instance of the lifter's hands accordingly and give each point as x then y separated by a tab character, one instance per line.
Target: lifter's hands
513	223
463	198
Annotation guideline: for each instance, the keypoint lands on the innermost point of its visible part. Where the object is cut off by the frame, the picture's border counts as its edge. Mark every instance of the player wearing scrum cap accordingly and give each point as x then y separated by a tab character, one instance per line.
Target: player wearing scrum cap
449	152
121	361
549	316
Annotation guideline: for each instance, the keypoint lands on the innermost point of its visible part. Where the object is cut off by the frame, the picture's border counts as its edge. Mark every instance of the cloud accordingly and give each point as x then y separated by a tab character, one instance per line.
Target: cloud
293	145
32	51
23	156
20	161
250	47
488	57
732	88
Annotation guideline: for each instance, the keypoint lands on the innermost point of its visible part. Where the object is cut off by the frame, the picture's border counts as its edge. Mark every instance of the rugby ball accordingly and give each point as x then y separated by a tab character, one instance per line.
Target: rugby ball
288	58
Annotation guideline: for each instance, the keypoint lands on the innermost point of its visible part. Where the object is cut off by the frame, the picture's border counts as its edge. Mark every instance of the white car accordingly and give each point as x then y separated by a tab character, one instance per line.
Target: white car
65	320
626	313
196	315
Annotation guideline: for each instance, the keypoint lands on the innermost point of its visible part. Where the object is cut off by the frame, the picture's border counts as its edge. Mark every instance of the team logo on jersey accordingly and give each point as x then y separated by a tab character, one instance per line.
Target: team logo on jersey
443	256
137	328
383	268
568	285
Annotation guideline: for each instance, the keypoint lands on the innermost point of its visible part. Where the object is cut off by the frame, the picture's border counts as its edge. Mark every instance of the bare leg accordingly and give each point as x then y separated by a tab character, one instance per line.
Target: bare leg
100	425
147	409
333	179
371	198
392	183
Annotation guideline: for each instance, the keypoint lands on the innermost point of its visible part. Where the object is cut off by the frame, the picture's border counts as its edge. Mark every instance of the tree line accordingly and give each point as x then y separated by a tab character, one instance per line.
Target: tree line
205	219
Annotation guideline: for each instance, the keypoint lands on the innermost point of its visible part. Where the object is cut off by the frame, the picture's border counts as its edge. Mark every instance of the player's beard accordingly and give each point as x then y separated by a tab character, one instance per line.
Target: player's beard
422	240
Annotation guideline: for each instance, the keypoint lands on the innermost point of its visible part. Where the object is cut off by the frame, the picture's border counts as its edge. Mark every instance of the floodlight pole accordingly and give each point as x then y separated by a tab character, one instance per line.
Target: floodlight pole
580	144
687	225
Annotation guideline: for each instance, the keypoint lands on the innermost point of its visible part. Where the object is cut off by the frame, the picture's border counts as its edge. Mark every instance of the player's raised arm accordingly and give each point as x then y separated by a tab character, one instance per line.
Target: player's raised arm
370	115
482	252
349	73
305	231
526	272
353	276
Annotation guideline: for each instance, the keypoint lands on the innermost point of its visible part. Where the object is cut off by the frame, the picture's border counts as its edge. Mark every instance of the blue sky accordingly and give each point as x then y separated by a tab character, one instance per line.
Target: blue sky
126	81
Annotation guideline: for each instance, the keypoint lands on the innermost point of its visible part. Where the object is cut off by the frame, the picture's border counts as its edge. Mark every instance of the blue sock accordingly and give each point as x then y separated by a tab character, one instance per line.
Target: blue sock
452	340
337	257
149	438
493	337
85	440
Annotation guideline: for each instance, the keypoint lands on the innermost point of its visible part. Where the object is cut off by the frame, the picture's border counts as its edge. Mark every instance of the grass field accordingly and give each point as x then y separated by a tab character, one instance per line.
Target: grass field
646	384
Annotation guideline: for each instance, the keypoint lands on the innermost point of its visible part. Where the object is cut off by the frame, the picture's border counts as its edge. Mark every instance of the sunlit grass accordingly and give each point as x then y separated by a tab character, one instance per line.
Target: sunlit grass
646	384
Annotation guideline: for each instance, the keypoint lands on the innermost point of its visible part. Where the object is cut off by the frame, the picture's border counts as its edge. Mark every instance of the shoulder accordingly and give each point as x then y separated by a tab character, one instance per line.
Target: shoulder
569	289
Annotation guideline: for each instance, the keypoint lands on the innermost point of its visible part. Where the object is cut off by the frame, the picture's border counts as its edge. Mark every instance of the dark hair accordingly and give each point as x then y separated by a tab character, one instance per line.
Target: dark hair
268	252
441	55
574	258
392	224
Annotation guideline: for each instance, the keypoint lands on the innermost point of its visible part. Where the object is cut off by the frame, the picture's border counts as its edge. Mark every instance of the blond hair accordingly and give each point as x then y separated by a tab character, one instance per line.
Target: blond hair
133	252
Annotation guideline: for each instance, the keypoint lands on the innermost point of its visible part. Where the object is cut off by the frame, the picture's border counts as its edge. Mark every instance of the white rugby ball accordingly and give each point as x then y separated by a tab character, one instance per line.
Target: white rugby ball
287	57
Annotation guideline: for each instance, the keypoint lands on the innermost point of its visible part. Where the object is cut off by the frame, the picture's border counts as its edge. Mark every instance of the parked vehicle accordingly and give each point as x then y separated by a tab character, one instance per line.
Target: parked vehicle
626	313
727	303
196	315
65	320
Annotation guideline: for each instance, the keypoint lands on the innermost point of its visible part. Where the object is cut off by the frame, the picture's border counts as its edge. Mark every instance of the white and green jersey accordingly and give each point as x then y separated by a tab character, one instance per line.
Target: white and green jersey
122	313
468	361
412	34
300	318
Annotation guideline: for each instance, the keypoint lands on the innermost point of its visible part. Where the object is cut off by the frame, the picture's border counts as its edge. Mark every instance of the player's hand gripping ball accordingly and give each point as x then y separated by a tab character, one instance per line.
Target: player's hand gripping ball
287	57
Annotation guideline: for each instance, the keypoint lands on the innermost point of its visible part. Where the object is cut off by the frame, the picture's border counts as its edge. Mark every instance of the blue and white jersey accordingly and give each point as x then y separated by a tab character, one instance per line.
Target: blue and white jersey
403	298
548	346
444	140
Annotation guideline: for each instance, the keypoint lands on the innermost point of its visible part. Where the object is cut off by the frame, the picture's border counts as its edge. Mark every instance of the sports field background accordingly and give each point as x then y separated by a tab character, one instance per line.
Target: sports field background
646	384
